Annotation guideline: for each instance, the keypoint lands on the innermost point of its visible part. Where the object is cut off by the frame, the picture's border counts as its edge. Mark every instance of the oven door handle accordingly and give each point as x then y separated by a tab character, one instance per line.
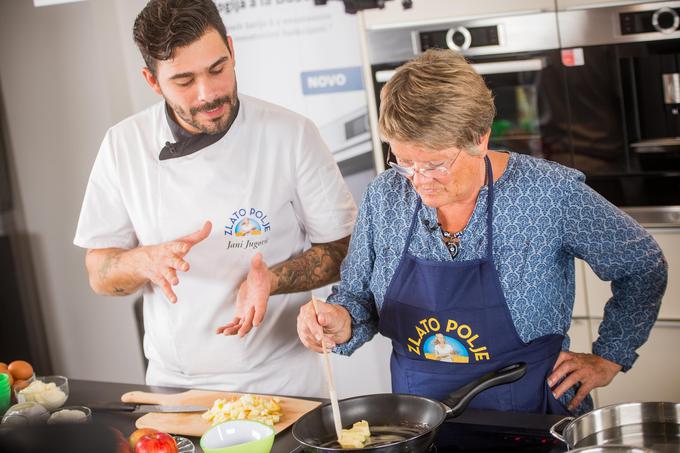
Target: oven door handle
504	67
494	67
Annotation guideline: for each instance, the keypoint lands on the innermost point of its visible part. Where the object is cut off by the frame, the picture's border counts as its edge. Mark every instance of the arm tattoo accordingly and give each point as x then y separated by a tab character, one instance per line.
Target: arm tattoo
109	261
108	265
318	266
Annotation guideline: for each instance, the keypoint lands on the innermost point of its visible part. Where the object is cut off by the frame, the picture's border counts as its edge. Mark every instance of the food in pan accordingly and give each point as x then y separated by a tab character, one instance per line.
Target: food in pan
356	436
379	435
247	407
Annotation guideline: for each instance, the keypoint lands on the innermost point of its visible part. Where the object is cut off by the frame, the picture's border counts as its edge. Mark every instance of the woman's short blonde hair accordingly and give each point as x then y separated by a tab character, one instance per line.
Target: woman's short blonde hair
436	100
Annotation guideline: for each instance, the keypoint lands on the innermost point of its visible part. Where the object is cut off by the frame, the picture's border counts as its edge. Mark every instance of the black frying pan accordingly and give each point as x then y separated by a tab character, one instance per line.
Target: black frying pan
408	422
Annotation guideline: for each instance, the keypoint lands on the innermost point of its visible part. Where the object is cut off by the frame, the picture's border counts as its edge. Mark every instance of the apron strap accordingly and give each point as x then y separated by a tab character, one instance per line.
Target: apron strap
489	208
412	228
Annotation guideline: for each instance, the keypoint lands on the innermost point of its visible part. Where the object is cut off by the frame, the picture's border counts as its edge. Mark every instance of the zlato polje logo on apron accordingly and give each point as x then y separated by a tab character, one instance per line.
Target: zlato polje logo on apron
246	228
434	344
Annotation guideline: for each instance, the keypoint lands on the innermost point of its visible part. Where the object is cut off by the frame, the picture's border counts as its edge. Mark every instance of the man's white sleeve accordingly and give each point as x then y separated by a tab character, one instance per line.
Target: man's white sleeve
323	201
104	221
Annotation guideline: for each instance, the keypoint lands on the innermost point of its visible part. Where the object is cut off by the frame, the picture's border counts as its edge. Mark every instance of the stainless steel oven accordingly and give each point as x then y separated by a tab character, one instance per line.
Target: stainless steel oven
622	71
519	58
595	89
349	139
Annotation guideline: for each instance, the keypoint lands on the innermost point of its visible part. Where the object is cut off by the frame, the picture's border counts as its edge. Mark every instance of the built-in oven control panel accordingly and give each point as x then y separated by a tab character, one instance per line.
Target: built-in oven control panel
662	20
460	38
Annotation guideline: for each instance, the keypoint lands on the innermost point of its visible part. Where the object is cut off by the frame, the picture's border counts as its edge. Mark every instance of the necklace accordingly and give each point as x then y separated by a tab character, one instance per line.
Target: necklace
451	240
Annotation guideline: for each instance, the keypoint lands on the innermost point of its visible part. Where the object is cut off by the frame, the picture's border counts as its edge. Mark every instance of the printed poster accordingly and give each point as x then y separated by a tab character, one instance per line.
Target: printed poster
306	58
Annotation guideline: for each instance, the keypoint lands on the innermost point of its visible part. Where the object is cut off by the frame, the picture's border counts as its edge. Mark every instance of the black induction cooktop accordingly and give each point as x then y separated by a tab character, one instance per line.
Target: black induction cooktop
488	431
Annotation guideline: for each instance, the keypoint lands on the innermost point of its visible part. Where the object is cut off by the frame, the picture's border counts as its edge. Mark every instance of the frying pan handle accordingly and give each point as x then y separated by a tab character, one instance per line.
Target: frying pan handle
556	430
459	400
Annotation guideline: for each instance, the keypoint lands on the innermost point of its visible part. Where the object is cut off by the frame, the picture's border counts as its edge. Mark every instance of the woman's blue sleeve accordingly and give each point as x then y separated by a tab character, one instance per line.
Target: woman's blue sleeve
353	292
619	250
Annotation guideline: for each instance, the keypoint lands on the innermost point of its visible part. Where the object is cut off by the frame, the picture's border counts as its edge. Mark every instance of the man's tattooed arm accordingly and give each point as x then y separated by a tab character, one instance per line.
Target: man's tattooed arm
316	267
118	272
110	273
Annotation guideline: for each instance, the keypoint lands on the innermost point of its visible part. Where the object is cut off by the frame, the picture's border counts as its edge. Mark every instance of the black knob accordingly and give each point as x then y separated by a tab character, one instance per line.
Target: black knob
665	20
458	38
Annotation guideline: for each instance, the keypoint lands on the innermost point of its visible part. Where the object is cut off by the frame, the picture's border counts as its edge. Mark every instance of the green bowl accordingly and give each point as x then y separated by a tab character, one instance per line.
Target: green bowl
238	436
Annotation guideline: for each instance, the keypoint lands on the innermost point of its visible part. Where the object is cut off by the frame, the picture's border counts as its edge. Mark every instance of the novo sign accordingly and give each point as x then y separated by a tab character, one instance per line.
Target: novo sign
332	80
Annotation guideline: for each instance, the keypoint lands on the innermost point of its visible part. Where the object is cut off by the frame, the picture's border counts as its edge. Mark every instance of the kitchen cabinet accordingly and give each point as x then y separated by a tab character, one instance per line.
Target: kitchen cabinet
438	11
580	331
564	5
599	292
580	302
580	335
654	375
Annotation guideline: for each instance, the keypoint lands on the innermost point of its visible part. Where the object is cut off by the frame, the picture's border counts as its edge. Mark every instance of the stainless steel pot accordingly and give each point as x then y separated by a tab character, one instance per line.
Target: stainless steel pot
611	449
655	426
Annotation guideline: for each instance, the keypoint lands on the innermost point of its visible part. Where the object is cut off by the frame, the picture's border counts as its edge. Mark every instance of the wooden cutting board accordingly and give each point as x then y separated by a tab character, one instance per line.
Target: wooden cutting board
192	424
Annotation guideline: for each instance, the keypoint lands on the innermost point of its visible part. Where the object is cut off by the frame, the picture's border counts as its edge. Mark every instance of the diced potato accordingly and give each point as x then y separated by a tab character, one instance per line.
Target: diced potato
356	436
362	427
247	407
348	439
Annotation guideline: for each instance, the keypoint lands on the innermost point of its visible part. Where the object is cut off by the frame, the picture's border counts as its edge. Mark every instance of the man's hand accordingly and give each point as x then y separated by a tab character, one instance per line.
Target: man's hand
330	323
316	267
251	301
119	272
160	263
588	370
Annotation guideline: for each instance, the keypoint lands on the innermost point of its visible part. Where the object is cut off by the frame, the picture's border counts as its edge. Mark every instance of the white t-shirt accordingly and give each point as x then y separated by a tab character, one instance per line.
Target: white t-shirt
270	185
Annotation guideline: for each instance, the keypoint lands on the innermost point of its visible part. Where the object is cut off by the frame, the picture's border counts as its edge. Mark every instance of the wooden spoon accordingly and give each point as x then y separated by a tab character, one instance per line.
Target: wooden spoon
331	386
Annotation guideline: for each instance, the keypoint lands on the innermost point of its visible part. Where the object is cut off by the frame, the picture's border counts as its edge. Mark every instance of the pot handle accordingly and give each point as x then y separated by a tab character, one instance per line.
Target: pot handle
556	430
459	400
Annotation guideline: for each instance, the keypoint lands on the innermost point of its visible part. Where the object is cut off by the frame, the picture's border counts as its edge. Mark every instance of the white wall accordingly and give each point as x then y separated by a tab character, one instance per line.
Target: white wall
67	73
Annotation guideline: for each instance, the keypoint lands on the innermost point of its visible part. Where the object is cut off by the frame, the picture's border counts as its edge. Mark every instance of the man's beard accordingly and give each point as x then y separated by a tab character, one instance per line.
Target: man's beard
207	126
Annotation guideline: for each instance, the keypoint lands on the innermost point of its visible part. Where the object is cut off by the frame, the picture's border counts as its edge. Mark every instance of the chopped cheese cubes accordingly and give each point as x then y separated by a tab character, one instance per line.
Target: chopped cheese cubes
247	407
356	436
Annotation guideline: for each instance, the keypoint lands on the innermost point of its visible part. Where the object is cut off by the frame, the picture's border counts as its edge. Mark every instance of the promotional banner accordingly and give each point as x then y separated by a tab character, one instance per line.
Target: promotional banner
305	58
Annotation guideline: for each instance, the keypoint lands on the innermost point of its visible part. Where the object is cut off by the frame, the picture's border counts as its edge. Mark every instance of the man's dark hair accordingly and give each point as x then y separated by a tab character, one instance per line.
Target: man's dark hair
165	25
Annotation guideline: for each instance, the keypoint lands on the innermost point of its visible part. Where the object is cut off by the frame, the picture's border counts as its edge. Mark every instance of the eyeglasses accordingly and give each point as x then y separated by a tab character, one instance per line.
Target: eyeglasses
439	170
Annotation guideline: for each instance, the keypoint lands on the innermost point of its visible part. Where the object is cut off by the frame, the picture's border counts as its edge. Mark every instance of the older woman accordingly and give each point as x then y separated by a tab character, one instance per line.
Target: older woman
476	247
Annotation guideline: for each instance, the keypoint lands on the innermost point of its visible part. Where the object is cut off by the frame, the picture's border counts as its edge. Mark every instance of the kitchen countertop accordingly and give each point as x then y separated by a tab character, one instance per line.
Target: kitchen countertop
85	393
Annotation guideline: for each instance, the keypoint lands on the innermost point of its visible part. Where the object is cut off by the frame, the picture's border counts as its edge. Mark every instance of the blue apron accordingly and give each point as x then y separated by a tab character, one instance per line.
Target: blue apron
450	324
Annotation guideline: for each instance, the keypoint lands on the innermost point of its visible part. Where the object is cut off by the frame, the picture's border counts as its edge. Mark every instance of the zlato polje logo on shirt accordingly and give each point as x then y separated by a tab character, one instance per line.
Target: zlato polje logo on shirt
246	228
446	342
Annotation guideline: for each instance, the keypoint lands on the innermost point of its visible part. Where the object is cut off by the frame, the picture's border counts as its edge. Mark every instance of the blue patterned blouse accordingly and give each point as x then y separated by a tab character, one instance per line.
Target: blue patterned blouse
544	216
